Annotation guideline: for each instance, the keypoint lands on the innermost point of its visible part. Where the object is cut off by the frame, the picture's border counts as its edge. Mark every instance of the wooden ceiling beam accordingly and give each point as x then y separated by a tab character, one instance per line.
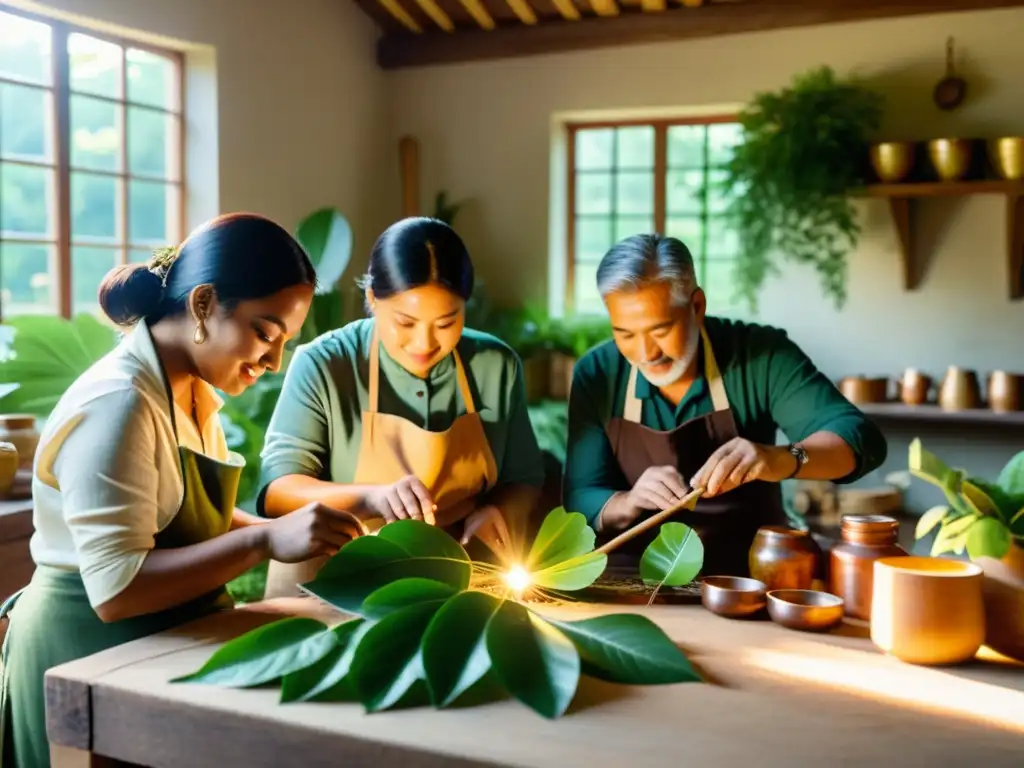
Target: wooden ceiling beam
568	9
479	13
709	20
523	10
652	6
437	14
605	8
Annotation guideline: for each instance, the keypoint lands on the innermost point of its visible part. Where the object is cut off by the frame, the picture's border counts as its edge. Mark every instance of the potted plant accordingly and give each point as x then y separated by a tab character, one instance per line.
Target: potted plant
801	153
571	338
986	520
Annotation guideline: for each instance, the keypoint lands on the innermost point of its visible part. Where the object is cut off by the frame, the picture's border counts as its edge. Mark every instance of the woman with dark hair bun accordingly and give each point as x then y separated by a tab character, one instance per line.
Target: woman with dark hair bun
133	487
406	414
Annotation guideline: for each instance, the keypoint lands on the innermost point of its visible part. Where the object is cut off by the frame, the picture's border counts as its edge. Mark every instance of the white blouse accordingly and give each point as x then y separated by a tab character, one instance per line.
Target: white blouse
107	476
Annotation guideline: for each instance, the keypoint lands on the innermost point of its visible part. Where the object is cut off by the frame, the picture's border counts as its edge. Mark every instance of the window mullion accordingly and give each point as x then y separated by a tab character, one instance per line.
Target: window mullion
122	212
62	106
660	176
705	174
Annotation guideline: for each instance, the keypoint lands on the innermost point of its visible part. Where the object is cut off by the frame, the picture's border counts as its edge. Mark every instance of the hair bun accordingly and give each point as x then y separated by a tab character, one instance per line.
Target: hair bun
129	293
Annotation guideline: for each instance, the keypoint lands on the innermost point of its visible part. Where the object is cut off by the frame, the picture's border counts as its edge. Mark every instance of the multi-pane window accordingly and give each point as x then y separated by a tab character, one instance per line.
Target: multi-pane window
90	161
658	176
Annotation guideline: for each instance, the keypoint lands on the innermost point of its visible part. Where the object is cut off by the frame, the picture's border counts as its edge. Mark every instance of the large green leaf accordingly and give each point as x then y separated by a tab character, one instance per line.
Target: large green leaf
1011	478
569	575
534	661
46	356
266	653
403	593
627	648
454	645
674	558
387	661
562	536
327	237
929	520
405	549
988	537
328	675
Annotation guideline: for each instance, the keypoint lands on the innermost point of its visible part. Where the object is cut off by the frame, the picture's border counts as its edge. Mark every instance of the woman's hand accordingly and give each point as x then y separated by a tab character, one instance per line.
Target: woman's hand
308	532
488	525
406	499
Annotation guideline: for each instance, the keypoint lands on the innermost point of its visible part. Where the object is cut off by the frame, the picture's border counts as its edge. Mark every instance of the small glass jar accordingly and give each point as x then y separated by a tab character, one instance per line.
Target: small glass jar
865	538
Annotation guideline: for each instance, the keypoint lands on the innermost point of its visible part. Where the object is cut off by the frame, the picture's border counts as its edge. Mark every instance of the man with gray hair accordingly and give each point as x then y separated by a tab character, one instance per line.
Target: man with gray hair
680	400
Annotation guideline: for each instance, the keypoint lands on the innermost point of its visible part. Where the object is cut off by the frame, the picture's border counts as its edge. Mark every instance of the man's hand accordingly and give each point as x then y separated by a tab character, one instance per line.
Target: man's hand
406	499
740	461
488	525
658	488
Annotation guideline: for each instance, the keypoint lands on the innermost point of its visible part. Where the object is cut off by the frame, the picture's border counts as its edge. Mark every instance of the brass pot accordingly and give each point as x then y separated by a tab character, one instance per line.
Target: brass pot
951	158
892	160
1007	156
959	390
1004	391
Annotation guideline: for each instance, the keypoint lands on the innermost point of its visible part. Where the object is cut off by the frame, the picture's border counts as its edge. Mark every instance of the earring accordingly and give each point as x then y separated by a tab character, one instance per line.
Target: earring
200	335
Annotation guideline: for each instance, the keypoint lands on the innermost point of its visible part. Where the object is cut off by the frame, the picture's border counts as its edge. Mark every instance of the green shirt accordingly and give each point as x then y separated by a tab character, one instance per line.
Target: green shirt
316	428
771	385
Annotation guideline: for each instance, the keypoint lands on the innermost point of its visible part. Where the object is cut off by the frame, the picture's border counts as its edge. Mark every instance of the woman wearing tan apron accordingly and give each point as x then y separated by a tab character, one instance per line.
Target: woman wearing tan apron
407	414
727	523
133	486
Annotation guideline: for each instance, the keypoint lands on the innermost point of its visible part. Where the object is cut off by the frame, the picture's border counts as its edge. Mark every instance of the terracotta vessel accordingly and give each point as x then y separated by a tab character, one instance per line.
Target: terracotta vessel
927	610
784	558
1003	592
1004	391
19	429
959	390
914	387
8	466
865	538
862	389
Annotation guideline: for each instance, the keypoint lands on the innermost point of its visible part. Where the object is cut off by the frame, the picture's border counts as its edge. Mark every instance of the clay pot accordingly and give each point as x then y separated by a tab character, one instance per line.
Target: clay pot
19	429
784	558
8	466
1003	590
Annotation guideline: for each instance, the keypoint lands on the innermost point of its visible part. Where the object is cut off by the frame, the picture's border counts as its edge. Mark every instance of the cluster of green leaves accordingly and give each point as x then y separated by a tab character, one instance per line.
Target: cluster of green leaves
982	517
420	632
803	150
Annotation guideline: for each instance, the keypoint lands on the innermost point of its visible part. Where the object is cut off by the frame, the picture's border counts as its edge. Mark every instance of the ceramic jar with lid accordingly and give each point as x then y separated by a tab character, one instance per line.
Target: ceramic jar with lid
19	429
865	538
784	558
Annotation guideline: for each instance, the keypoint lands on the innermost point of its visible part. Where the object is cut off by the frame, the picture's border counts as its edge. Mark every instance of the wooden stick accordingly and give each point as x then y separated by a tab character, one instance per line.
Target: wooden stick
688	502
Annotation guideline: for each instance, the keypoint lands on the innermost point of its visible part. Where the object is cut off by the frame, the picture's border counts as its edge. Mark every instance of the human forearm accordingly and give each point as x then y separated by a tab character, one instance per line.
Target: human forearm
242	519
829	457
617	514
288	493
171	577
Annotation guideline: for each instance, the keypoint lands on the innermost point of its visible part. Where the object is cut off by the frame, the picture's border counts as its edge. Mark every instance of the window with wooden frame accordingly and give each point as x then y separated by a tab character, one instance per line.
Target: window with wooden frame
650	176
91	161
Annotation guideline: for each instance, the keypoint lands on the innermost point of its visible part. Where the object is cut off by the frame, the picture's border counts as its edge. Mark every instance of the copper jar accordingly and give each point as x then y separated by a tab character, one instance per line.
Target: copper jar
784	558
865	538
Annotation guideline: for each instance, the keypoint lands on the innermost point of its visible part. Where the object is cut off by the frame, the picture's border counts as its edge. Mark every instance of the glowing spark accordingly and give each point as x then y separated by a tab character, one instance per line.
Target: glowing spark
517	578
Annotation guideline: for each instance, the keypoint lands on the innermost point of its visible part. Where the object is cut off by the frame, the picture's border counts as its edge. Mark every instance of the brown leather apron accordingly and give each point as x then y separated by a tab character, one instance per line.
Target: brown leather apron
727	523
456	465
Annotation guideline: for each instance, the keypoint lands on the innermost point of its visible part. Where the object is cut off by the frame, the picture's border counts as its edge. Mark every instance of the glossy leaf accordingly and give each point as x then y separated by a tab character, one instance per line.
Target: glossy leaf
327	674
927	466
1011	478
535	662
929	520
266	653
627	648
572	574
403	593
674	558
562	536
387	660
988	537
405	549
952	536
327	237
454	645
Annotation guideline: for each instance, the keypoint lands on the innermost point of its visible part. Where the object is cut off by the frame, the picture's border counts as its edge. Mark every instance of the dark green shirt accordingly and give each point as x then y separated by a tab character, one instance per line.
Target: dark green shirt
316	429
771	385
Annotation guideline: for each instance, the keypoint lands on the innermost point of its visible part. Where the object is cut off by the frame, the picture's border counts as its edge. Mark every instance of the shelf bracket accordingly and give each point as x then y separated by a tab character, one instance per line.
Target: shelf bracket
902	209
1015	244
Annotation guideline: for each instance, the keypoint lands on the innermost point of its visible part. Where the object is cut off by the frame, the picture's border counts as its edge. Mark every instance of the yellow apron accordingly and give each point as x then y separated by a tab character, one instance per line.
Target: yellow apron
456	466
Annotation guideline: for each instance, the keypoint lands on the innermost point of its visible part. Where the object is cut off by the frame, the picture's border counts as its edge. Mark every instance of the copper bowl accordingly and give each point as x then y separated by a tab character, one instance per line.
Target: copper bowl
892	160
951	158
1007	155
805	609
732	596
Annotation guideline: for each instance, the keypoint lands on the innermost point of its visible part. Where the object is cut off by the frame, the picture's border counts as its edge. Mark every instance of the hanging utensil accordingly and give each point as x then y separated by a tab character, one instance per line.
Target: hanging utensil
951	90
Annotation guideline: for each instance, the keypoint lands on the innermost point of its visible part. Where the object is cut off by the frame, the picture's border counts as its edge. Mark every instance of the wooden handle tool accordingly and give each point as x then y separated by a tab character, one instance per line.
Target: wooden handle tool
688	502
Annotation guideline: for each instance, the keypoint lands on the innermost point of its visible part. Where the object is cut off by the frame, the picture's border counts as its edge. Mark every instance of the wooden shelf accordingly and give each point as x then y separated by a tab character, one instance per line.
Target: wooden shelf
903	199
933	413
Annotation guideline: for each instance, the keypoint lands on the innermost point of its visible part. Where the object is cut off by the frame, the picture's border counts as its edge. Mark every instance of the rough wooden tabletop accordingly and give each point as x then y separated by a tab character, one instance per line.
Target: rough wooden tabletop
772	697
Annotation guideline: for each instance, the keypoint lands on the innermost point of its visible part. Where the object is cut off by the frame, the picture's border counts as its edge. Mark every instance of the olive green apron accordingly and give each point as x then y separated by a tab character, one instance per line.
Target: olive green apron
52	622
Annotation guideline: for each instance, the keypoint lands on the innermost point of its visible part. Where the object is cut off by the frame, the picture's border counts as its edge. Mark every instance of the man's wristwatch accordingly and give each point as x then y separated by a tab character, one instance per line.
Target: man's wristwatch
798	453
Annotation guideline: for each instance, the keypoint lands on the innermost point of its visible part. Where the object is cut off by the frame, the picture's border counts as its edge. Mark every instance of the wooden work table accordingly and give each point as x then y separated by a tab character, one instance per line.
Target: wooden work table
772	697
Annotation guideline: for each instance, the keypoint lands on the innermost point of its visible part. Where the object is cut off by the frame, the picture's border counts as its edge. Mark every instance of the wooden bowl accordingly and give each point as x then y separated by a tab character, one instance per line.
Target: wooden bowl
732	596
805	609
892	160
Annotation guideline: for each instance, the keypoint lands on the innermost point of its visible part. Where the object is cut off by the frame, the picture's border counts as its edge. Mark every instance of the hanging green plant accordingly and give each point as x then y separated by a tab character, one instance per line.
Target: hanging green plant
789	179
420	621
